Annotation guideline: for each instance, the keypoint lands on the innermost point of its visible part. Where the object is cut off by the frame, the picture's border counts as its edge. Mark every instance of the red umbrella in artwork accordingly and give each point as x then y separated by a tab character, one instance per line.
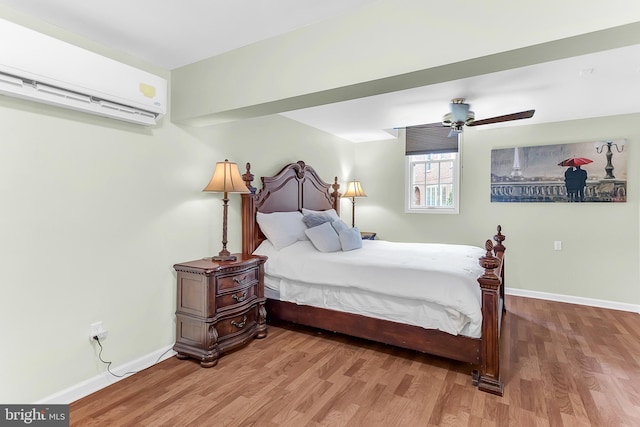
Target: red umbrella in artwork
575	161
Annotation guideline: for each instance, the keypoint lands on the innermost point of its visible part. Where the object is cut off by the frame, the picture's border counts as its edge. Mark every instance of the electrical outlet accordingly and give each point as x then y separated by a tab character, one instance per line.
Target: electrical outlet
97	330
557	245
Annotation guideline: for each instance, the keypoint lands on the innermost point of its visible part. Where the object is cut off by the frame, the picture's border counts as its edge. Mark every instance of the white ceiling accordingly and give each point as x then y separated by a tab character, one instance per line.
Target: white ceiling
171	34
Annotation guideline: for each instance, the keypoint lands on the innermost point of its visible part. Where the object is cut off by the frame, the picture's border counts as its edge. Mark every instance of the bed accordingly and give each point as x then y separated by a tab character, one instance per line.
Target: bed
297	188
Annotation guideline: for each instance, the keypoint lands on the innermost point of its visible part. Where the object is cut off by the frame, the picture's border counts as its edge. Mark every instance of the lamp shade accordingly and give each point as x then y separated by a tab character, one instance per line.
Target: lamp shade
226	179
354	189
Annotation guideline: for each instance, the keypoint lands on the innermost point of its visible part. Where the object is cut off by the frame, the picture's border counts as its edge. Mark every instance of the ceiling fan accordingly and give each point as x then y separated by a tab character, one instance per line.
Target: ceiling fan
460	116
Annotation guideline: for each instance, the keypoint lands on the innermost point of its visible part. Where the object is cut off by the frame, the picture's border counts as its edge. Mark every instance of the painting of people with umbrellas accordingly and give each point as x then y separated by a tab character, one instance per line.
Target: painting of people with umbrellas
573	173
575	178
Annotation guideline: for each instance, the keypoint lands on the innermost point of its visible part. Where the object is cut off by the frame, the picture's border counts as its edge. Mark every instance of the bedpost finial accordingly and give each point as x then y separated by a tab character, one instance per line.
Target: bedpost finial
335	194
489	262
499	238
488	246
248	178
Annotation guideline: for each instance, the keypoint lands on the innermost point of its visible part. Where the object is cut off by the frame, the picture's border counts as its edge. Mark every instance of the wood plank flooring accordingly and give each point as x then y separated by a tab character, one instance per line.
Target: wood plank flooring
563	365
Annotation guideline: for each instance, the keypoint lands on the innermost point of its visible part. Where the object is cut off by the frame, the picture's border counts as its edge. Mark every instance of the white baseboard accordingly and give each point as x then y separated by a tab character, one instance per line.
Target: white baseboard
105	379
635	308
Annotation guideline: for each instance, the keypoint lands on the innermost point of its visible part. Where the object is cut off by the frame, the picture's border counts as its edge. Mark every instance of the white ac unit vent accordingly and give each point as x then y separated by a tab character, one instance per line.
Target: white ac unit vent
40	68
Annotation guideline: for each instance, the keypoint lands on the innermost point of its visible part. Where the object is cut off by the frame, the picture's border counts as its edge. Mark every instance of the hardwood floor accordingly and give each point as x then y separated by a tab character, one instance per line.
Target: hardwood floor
563	365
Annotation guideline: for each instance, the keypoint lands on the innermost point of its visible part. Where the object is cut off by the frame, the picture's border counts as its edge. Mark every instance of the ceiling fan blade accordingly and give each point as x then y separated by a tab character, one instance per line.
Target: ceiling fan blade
506	118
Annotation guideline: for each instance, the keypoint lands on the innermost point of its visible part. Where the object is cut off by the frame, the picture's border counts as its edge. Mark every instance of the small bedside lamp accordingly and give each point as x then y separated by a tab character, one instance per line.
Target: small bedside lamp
354	189
226	179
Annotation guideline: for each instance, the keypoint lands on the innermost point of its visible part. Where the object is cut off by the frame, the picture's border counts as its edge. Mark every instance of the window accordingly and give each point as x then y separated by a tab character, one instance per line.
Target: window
432	183
432	170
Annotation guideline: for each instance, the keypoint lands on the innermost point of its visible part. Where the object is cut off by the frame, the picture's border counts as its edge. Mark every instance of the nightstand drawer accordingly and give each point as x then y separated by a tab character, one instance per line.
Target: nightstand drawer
236	325
238	280
236	298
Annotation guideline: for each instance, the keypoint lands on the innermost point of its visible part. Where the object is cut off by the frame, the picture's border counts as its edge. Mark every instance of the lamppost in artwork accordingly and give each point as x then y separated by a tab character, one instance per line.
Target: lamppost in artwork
609	168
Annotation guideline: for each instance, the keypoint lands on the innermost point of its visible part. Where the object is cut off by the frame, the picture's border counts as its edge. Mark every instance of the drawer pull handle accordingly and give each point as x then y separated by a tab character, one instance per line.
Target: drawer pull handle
241	324
241	297
241	280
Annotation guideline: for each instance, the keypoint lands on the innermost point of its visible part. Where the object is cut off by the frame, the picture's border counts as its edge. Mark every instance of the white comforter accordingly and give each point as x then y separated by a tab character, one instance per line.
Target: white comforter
438	274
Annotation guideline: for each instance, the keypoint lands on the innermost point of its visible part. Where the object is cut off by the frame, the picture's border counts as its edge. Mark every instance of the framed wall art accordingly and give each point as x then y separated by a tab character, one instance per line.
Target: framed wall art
562	173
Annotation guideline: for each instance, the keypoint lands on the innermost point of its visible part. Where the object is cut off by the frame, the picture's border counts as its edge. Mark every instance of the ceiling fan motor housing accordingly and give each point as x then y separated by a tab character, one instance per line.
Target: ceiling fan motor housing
460	114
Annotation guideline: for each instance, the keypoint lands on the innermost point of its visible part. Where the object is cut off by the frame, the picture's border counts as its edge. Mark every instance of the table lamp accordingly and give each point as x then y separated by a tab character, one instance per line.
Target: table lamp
354	189
226	179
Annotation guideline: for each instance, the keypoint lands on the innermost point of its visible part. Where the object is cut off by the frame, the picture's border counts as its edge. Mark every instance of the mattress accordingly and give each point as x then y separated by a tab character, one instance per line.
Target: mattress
433	286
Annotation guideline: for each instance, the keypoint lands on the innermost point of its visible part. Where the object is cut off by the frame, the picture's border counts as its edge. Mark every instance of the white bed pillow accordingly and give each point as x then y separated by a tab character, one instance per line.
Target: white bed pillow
282	228
350	239
331	213
324	238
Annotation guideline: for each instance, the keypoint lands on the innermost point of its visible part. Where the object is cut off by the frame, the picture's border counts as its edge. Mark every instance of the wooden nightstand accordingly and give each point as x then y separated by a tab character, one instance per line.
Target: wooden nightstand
368	235
220	307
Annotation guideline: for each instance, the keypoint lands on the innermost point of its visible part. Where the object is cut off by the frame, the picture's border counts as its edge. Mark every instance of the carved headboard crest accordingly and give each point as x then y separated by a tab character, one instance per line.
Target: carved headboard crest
300	169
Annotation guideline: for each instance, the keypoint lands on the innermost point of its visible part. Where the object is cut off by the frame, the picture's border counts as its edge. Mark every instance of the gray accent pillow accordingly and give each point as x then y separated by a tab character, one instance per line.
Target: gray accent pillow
324	238
339	225
314	220
331	213
350	239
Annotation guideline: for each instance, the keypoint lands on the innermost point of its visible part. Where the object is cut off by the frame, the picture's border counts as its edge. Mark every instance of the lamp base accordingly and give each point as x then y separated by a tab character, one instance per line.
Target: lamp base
223	258
224	255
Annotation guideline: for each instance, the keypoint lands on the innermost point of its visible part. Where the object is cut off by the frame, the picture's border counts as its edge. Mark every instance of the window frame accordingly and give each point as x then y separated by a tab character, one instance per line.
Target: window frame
410	190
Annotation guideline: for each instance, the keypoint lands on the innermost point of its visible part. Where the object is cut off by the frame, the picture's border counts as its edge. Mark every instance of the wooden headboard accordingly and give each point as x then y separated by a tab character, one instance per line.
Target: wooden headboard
295	187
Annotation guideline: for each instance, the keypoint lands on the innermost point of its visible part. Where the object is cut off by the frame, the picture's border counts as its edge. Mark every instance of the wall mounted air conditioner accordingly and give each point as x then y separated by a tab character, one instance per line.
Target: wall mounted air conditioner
40	68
